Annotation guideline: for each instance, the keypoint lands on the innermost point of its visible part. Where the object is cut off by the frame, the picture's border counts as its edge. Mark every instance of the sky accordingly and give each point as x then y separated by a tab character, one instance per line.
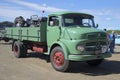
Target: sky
106	12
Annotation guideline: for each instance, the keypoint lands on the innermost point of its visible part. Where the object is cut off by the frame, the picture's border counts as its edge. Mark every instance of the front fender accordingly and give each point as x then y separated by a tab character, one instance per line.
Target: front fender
63	46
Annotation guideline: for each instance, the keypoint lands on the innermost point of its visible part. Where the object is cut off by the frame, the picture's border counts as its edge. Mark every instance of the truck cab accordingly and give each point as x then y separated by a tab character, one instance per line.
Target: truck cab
77	38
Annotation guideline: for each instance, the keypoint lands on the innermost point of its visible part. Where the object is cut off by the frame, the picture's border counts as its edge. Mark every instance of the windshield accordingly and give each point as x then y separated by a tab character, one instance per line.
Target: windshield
81	20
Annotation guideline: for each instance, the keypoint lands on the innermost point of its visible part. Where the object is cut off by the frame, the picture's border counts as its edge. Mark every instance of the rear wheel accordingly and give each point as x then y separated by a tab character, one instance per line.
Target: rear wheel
19	49
95	62
58	60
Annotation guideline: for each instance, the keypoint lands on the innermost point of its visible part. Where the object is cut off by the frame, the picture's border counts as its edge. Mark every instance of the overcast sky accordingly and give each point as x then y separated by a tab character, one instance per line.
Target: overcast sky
106	12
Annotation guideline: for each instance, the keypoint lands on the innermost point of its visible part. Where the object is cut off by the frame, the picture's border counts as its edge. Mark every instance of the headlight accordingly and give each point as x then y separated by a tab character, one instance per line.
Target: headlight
80	48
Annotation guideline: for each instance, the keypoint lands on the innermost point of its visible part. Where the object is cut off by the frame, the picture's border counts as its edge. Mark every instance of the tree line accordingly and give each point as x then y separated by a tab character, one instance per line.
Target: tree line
116	31
6	24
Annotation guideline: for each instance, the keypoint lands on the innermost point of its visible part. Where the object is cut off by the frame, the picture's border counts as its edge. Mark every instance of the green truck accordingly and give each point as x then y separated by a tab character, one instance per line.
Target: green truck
64	37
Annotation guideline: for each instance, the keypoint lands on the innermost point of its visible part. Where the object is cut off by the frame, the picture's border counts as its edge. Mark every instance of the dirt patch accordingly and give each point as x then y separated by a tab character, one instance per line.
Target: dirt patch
35	67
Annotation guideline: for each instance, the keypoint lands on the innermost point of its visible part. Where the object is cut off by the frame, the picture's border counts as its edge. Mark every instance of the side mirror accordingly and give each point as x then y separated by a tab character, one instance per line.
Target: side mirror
96	26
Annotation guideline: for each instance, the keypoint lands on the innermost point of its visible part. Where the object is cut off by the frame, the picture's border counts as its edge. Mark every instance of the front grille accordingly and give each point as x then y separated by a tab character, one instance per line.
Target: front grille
96	35
93	46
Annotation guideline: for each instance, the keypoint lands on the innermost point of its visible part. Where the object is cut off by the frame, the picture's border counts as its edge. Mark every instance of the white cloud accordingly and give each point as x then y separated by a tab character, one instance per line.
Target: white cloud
103	13
36	6
9	13
108	19
98	12
23	8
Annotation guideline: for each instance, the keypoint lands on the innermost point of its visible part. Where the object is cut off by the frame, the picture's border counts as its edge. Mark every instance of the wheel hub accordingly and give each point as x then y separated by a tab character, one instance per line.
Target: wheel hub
58	58
16	49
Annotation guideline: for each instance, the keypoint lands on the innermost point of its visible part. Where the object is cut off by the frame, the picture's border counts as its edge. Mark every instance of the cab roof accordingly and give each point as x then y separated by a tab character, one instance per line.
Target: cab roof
68	12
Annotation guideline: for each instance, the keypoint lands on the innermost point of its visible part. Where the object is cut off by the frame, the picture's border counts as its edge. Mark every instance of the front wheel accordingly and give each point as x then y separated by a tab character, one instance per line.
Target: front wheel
58	60
95	62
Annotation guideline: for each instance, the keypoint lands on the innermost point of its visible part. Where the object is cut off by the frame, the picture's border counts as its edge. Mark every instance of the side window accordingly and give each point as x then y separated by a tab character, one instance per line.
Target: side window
87	22
53	21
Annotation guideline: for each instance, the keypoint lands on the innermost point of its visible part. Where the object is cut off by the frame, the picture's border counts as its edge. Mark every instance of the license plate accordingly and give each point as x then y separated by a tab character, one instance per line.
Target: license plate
104	49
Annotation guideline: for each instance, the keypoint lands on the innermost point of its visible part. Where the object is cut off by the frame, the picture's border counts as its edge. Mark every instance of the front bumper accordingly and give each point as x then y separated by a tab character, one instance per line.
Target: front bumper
88	57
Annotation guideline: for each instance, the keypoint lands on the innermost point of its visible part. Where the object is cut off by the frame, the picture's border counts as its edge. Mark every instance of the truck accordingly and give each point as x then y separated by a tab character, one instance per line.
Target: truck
64	36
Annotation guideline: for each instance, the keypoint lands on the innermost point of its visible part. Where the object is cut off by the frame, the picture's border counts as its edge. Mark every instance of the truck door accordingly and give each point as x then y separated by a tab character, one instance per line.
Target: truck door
53	30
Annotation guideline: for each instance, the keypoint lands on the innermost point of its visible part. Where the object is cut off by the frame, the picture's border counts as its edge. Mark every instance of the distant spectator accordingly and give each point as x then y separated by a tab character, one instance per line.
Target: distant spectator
112	41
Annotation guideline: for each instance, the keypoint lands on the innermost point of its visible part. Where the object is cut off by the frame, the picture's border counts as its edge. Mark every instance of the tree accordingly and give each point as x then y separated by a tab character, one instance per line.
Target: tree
6	24
116	31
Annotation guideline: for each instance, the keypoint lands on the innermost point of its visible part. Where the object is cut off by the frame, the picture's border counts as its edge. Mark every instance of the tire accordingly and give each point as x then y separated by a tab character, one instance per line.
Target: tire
19	49
95	62
58	60
13	44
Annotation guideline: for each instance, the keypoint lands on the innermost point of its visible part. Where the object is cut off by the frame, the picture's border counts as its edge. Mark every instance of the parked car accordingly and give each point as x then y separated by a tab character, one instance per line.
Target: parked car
117	40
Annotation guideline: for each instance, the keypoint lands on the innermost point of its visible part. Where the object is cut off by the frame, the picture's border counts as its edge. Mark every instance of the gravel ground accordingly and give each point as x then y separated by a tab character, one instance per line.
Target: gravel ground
35	67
